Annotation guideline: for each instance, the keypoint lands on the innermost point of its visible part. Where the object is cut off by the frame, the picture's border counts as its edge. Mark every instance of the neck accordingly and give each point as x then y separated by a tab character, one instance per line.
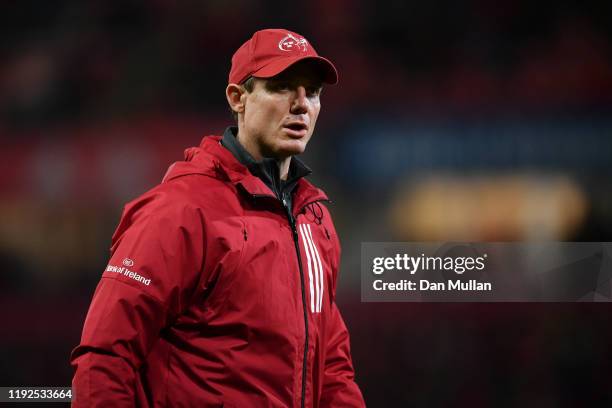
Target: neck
283	166
256	153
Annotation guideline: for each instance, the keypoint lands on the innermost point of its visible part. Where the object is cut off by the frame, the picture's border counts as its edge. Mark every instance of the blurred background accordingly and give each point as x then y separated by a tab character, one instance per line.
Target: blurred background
453	120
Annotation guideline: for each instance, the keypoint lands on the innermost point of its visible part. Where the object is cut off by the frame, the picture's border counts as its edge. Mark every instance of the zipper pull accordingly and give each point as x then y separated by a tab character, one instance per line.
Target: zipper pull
245	234
289	215
293	226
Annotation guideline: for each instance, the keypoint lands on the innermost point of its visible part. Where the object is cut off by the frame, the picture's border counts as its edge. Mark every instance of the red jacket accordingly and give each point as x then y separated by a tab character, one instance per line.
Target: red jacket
204	300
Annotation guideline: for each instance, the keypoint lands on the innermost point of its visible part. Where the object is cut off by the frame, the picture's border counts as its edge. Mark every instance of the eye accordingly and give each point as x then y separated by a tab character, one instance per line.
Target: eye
277	86
313	90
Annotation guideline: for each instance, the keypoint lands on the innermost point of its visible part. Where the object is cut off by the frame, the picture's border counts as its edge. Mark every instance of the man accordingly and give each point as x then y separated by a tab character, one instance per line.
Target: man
221	284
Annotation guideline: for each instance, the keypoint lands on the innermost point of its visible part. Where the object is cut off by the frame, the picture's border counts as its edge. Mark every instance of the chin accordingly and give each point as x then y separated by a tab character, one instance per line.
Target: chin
291	148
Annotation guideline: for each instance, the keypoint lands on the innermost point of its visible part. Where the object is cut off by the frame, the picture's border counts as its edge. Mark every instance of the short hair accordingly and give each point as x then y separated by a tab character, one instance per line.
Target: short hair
248	84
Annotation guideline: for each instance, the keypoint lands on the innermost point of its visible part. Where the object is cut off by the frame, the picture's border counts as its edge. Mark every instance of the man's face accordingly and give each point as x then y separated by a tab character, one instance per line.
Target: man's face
281	112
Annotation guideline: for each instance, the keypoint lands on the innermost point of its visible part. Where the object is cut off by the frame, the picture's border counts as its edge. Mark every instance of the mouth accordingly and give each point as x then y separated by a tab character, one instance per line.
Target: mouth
296	129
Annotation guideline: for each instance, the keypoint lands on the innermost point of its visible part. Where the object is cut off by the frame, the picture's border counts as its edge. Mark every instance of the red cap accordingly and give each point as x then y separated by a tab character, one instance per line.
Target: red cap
269	52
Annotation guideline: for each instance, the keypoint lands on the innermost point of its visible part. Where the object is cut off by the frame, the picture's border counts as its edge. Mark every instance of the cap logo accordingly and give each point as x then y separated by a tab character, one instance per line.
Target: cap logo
290	43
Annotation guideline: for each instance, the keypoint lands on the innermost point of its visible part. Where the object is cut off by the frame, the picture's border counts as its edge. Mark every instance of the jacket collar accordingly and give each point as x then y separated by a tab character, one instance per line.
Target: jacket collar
214	160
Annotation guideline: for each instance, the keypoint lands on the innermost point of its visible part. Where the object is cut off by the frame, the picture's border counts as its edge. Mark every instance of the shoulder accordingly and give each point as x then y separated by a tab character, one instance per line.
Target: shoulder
191	201
191	192
166	198
163	209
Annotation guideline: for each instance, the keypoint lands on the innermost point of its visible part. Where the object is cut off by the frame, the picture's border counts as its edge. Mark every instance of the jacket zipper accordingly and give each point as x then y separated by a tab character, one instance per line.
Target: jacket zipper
291	220
296	243
303	286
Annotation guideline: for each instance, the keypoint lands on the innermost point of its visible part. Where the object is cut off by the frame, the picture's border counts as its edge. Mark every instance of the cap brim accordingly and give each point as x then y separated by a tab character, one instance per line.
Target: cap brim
330	74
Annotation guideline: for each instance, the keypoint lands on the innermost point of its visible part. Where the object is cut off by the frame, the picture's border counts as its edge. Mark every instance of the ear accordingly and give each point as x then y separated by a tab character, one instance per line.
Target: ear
234	94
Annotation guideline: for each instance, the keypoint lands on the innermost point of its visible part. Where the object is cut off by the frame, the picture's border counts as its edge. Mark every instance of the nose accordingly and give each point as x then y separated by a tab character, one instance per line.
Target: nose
299	104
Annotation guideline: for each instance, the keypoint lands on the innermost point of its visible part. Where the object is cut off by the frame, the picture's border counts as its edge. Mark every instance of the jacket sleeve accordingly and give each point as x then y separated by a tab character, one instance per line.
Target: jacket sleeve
339	386
154	269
